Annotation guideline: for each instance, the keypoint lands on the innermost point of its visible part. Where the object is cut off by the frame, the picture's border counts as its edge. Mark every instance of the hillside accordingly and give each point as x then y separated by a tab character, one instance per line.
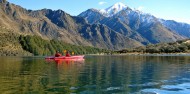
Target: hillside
59	25
14	44
116	27
41	47
10	45
142	27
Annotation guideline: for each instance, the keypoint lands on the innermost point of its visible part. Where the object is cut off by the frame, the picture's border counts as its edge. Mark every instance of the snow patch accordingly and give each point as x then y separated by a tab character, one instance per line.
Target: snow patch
113	9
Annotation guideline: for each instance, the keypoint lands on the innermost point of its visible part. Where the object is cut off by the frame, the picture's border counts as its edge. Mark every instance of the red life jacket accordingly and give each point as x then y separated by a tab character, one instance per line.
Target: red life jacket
57	55
67	54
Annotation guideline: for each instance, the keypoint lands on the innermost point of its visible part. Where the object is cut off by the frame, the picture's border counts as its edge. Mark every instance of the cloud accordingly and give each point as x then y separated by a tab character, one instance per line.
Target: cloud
102	2
140	8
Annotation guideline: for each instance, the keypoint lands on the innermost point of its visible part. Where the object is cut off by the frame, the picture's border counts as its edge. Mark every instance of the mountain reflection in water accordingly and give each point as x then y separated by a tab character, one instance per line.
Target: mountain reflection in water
96	74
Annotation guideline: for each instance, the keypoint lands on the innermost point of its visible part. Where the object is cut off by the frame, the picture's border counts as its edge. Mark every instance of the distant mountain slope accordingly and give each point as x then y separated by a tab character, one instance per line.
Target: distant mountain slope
59	25
181	28
92	16
139	26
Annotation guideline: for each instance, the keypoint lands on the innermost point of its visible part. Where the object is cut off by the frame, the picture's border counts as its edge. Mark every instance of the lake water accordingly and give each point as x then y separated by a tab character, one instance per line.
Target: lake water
96	75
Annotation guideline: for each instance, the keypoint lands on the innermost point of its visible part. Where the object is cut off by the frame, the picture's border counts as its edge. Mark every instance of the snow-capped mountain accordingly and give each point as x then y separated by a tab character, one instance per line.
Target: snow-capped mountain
58	25
132	23
108	12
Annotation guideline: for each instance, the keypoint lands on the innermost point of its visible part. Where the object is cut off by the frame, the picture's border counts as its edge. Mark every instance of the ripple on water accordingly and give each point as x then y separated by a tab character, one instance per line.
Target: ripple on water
73	88
145	84
184	80
169	89
111	90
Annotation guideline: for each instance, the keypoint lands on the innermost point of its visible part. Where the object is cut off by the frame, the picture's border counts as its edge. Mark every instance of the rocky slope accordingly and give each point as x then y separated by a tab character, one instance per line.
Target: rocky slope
182	29
134	24
59	25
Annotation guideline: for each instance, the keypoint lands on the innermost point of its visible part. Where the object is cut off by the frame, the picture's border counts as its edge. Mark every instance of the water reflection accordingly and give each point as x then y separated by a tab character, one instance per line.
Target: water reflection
67	61
95	74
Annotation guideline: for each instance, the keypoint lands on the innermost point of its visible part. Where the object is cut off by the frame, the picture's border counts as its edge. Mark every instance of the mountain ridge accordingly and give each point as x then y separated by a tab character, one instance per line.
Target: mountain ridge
59	25
136	25
114	9
127	28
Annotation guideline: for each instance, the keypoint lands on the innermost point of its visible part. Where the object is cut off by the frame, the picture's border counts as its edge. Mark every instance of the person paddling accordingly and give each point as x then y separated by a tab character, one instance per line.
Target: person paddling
67	54
57	54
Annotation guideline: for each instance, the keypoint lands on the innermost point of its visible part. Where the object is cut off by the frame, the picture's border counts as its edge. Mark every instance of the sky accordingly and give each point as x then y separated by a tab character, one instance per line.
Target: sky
178	10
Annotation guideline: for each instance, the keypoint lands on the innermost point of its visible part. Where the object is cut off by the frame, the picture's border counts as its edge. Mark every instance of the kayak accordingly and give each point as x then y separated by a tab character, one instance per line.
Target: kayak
66	57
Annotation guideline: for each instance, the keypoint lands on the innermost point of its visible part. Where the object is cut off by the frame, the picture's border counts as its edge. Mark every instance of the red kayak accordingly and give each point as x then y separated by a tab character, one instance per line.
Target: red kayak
66	57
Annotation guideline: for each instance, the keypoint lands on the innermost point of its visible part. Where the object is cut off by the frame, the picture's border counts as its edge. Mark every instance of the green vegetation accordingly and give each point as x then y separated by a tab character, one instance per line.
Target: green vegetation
182	46
38	46
14	44
9	44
